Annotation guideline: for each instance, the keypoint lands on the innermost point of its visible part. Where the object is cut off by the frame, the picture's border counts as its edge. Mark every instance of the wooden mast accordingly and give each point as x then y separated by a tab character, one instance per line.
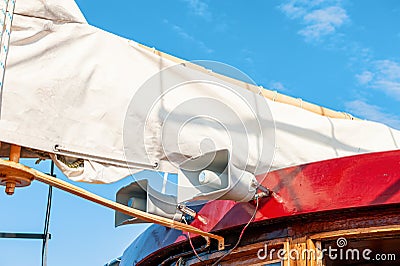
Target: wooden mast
15	153
12	178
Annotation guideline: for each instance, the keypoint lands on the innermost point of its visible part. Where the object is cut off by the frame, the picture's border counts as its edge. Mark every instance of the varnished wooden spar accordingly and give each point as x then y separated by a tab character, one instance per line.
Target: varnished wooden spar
151	218
272	95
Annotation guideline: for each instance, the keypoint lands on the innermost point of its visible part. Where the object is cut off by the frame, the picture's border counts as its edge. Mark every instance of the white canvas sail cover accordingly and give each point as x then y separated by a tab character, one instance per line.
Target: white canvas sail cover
75	90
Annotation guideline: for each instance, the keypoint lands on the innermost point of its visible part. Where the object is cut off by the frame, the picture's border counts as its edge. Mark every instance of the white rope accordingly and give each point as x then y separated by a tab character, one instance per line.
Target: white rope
300	102
275	96
3	8
6	18
164	185
260	88
4	5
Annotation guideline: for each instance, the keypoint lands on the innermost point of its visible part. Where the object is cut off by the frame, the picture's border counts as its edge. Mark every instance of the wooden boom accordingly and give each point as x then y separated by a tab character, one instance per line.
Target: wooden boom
16	169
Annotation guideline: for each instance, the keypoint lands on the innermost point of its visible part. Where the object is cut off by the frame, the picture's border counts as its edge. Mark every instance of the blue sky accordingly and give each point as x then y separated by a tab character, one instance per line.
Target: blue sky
343	55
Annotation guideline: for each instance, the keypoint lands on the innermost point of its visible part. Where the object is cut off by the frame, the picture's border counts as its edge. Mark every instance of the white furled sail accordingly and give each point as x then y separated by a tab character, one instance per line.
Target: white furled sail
76	91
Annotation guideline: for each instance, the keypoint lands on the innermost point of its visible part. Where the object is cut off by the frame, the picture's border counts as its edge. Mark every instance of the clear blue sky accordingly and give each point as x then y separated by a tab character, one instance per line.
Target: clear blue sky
343	55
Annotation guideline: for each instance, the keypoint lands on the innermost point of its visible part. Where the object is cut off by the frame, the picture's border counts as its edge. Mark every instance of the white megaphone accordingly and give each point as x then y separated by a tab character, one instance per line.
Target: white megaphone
139	195
212	176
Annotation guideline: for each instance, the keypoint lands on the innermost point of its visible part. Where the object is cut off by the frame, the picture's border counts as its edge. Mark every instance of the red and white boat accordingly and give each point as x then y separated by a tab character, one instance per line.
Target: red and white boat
263	178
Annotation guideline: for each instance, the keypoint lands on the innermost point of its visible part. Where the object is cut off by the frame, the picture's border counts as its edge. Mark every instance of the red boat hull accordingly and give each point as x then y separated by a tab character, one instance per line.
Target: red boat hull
369	181
349	182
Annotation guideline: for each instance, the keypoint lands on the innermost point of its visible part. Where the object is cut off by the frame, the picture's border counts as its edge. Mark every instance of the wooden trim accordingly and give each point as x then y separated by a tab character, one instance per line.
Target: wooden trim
297	258
273	242
245	255
356	232
317	247
15	153
286	246
314	242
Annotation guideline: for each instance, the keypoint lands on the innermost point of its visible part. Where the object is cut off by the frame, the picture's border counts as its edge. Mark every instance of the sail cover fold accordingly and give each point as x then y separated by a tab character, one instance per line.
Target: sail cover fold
78	92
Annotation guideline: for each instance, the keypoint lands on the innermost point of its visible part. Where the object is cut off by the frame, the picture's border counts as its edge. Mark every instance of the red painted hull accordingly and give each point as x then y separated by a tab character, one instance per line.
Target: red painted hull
333	185
349	182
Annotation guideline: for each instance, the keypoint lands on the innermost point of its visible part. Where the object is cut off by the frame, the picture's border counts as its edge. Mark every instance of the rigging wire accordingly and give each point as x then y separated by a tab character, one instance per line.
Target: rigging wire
47	219
191	244
240	236
7	9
